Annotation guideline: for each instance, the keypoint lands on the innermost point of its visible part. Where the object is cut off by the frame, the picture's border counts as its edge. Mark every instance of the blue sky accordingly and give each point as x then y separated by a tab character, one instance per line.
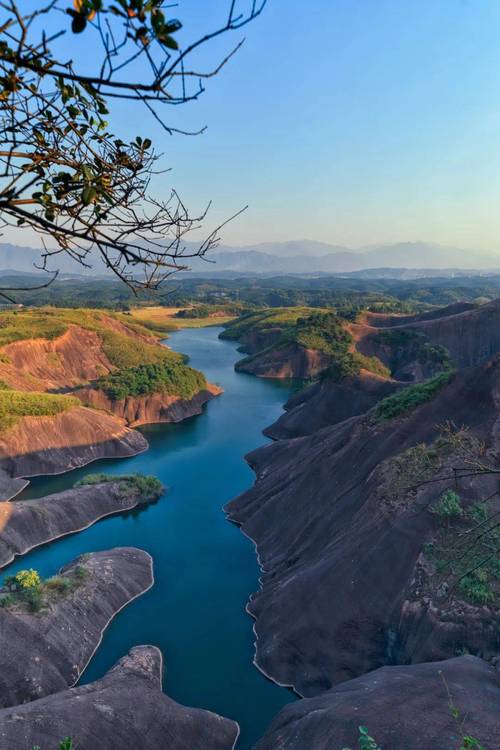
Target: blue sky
346	121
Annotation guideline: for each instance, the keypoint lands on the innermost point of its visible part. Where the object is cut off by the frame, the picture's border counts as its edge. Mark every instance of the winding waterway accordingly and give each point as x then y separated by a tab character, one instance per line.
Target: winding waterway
205	569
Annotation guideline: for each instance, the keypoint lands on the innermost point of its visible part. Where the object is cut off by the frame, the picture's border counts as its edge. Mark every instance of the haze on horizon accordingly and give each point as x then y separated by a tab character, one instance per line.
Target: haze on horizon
347	122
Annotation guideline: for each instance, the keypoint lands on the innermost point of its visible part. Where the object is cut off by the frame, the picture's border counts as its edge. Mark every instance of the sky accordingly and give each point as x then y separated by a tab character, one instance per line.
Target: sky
352	122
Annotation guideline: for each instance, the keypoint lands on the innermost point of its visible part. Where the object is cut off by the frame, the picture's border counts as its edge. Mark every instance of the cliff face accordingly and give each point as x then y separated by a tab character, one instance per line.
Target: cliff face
51	445
471	334
27	524
327	403
48	650
125	709
151	408
403	707
65	362
341	522
255	341
291	361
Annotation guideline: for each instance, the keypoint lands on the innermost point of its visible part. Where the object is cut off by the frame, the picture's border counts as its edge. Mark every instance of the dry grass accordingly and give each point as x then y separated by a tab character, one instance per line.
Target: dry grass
164	316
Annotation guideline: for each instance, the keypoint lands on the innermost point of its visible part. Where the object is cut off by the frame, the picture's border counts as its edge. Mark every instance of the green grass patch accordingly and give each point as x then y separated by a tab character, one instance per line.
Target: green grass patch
410	398
17	404
278	317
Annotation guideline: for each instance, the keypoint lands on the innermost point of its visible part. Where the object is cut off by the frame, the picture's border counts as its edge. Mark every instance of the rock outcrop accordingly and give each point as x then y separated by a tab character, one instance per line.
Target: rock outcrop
52	445
125	709
27	524
402	707
290	361
151	408
341	519
45	652
470	334
327	403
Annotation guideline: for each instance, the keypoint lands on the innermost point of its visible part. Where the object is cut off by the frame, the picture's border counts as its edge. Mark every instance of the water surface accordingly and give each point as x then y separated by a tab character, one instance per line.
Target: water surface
205	569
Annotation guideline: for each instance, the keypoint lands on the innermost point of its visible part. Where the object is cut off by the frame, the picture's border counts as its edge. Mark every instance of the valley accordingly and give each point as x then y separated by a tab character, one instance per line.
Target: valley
373	515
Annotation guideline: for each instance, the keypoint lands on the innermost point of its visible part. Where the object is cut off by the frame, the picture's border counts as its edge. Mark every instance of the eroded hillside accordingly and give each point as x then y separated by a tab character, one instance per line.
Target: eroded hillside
73	383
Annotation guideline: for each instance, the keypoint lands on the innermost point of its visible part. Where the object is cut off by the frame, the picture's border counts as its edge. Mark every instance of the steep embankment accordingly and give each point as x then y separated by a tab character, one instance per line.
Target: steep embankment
114	366
151	407
361	567
125	709
415	346
25	525
286	361
48	649
327	402
423	719
54	444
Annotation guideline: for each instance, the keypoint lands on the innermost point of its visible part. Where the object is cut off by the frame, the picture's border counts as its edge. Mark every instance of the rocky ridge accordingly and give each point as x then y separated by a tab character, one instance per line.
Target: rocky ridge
48	650
30	523
125	709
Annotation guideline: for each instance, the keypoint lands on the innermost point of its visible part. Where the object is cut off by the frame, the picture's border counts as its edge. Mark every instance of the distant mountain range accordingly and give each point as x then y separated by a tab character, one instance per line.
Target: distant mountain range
295	257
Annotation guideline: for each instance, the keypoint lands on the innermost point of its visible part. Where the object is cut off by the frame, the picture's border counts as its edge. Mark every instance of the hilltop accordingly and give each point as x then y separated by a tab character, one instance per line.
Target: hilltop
73	383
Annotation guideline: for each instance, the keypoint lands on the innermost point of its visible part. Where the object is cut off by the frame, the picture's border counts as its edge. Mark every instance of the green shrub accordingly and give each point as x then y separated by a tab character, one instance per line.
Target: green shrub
477	588
171	377
33	599
147	488
365	742
58	585
449	506
407	400
479	512
80	573
7	601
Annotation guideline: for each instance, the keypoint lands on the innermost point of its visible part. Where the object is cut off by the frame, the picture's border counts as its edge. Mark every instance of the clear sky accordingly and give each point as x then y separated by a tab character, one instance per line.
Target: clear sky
347	121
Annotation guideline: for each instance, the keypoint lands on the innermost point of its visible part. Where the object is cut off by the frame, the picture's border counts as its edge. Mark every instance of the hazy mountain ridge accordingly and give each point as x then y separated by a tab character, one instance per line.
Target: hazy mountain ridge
296	257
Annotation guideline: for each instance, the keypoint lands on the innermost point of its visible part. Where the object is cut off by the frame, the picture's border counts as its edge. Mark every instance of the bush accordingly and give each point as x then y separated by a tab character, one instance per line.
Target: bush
7	601
477	588
80	573
58	585
33	598
172	377
27	579
408	399
365	742
147	488
449	505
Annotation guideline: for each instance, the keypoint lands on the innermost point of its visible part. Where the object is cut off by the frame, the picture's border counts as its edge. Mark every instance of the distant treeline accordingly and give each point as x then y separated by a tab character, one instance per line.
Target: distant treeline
383	295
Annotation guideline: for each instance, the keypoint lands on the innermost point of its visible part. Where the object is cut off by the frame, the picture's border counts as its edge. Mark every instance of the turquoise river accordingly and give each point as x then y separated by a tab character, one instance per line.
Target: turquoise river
205	568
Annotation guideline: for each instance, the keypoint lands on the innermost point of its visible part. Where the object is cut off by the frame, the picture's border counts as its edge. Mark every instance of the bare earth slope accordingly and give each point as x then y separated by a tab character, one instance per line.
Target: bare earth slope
340	521
48	650
124	710
405	708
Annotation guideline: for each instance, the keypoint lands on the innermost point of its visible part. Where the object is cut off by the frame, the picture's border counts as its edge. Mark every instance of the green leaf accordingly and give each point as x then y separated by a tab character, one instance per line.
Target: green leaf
168	41
88	195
